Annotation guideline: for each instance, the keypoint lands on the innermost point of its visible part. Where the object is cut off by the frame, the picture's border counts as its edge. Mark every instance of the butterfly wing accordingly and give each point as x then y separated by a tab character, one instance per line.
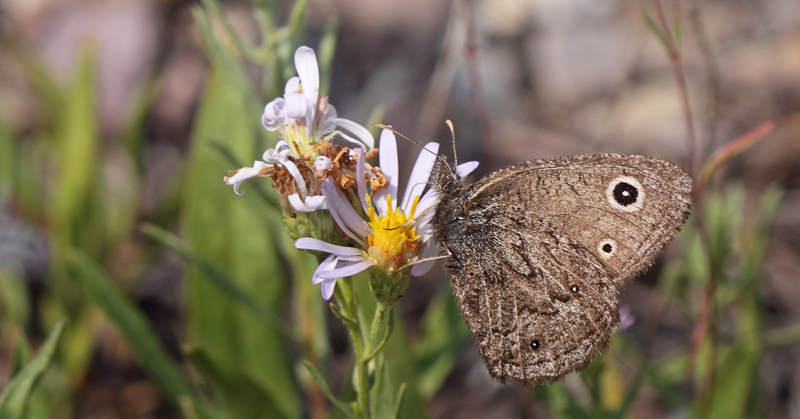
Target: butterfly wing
538	251
539	304
624	209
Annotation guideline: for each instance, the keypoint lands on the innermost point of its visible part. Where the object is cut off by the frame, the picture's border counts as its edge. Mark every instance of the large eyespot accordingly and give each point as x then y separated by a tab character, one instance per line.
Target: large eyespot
625	194
607	248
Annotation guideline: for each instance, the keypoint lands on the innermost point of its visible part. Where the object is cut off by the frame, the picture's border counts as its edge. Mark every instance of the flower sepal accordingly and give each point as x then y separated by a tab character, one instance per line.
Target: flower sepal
318	225
388	287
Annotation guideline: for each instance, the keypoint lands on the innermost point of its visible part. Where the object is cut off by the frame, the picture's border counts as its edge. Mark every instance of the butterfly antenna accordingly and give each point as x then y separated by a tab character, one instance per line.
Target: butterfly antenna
383	126
453	136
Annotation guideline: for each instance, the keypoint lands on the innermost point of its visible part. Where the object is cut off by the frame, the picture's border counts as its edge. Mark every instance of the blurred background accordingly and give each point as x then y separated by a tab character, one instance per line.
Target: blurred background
119	118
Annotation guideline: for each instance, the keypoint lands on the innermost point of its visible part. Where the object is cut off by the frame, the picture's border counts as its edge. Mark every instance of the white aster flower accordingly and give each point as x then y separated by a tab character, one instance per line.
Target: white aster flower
303	116
395	235
305	123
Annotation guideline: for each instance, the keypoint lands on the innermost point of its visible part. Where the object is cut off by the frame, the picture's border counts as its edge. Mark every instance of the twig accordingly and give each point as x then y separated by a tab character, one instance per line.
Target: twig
706	325
444	74
711	68
680	78
474	75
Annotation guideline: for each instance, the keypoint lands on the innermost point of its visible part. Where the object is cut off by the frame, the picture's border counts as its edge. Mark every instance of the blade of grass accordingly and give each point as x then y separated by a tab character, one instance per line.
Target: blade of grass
217	277
163	370
327	390
15	397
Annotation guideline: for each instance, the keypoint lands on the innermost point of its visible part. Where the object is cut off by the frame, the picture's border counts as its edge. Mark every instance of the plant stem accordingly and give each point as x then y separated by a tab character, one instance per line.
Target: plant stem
377	320
346	297
361	374
706	325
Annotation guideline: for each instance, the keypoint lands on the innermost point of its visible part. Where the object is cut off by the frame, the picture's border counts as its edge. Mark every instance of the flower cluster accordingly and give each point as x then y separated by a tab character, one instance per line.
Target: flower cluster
333	201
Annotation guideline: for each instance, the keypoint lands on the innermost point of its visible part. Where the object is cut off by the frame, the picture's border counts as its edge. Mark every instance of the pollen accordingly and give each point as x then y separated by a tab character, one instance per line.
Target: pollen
394	239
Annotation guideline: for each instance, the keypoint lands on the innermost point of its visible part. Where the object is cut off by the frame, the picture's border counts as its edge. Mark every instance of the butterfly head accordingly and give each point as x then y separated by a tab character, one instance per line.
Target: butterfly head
445	180
451	210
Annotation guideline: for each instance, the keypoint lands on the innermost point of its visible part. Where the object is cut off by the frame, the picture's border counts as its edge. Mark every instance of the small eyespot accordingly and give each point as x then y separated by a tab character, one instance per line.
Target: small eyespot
574	288
535	344
607	248
625	194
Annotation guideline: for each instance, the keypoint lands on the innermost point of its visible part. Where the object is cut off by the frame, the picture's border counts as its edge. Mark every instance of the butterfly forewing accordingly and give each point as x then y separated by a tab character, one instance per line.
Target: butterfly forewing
624	209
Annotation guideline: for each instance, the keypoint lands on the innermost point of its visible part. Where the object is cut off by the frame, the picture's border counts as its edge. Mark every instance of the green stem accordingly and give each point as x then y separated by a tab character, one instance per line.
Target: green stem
365	349
377	320
345	296
362	378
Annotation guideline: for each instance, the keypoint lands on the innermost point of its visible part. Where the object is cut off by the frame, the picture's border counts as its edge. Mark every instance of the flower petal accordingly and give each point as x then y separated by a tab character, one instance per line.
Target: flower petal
344	214
419	175
305	60
428	251
328	286
346	270
322	163
308	243
327	264
361	133
298	178
292	85
430	199
311	203
361	180
277	154
296	106
274	114
390	168
464	169
244	174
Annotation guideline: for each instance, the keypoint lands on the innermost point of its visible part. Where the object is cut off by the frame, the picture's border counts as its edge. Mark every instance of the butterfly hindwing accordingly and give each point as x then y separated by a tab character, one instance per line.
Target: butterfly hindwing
539	305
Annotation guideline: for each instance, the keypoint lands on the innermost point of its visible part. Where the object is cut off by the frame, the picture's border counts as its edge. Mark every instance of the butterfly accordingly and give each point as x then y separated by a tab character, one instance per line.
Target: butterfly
539	250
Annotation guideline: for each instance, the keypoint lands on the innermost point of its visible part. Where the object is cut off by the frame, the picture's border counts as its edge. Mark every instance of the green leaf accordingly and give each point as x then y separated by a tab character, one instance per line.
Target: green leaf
217	277
74	211
77	148
14	300
736	376
651	24
386	401
9	158
399	400
247	48
236	235
561	403
325	53
15	397
380	344
236	388
327	390
162	369
633	390
296	25
443	334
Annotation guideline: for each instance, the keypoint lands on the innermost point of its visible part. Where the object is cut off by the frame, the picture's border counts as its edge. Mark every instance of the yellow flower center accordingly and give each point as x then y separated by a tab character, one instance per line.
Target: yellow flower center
394	239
